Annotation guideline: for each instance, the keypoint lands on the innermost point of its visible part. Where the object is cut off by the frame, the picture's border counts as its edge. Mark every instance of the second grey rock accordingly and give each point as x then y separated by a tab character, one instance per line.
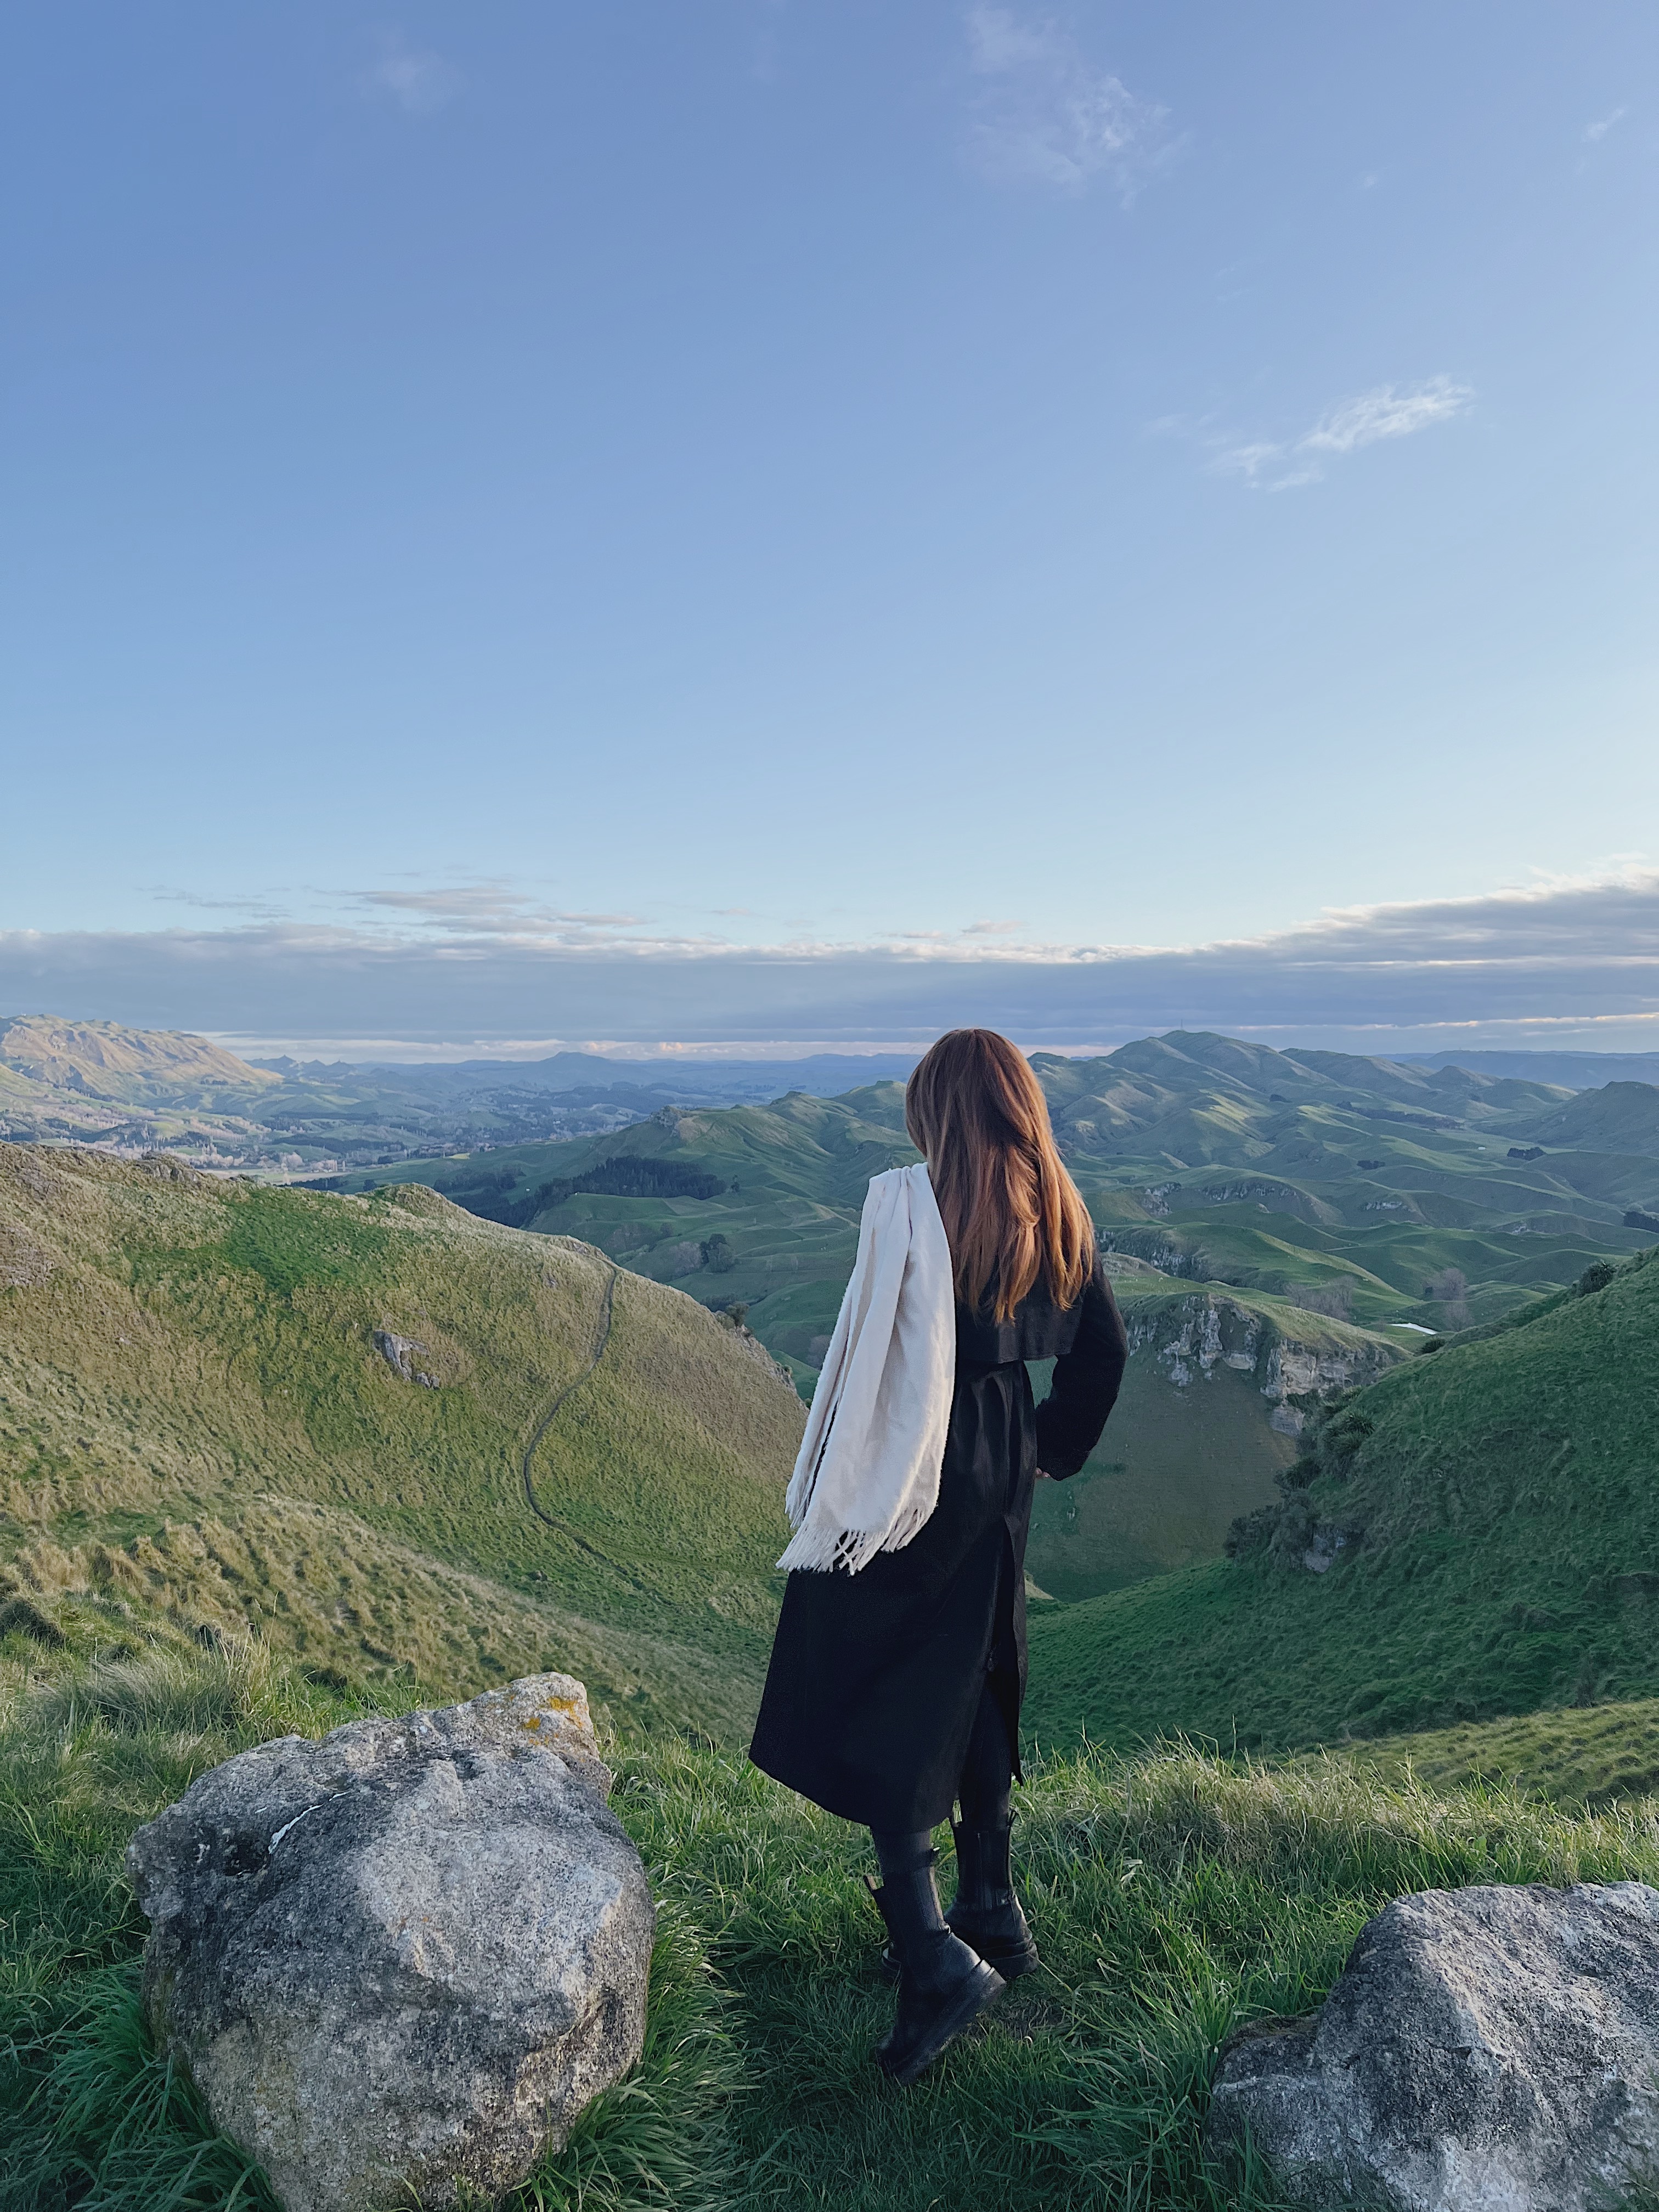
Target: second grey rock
1485	2050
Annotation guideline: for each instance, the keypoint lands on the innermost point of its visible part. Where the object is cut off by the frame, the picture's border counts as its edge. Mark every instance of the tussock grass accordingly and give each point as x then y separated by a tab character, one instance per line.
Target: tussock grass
1176	1896
195	1423
1591	1755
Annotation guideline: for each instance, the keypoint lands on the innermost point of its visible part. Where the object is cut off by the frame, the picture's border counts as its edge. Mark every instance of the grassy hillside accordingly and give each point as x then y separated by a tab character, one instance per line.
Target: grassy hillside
785	1186
1620	1117
1378	1193
196	1420
1477	1534
782	1186
1176	1898
1319	1190
1595	1755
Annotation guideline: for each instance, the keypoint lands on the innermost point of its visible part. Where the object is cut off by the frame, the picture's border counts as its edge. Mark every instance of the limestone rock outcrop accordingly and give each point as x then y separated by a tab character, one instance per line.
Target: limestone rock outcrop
400	1961
1485	2050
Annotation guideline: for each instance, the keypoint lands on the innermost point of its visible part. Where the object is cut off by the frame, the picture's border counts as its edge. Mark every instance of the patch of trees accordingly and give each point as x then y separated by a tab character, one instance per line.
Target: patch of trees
482	1188
627	1174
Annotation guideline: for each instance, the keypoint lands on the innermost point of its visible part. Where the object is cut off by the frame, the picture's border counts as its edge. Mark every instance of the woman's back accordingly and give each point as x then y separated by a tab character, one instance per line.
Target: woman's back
894	1690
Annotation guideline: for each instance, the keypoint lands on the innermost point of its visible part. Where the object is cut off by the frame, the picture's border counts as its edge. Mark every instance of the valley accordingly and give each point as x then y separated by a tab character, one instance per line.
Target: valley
1475	1534
131	1091
1279	1226
1357	1598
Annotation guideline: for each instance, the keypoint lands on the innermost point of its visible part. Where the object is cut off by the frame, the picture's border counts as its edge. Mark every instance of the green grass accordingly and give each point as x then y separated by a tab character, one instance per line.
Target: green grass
1176	1466
1501	1512
194	1421
1273	1181
1583	1755
1176	1896
800	1168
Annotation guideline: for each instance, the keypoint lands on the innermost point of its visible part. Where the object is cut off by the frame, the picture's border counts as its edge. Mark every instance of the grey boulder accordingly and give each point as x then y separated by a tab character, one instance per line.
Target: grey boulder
1485	2050
401	1961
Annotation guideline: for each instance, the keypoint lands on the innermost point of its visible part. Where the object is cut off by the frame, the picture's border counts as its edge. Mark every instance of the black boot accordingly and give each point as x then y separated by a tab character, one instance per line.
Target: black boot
942	1985
986	1913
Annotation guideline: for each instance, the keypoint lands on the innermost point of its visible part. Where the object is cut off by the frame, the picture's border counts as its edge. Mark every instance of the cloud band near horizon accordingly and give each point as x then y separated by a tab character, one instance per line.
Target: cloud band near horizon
1573	962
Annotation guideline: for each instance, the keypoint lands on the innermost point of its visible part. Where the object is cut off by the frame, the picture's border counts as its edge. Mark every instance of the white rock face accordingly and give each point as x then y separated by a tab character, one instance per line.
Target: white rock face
1192	1338
1486	2050
405	1957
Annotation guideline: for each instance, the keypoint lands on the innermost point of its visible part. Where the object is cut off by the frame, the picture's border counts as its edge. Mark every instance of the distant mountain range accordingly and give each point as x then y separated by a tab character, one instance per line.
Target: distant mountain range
1575	1070
137	1090
134	1091
1280	1225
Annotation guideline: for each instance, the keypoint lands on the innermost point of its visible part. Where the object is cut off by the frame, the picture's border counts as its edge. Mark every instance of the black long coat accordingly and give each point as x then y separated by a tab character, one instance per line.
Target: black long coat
876	1677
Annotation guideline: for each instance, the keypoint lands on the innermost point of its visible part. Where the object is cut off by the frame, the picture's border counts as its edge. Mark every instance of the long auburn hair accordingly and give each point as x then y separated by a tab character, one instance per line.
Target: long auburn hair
1012	1212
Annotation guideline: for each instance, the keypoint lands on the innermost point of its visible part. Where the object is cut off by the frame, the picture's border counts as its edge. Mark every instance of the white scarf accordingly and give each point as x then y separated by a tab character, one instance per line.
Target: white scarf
867	1476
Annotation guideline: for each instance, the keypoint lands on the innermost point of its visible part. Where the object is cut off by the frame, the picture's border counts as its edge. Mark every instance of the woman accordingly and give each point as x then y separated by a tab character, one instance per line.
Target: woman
895	1689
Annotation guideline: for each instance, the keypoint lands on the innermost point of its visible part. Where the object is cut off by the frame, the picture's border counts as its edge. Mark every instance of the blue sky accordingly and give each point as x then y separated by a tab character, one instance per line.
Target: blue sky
743	520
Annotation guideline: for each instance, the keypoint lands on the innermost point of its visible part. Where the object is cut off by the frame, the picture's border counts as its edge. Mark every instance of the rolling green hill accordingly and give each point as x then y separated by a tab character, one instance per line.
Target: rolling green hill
328	1418
1202	1430
1375	1192
1476	1533
1620	1117
1319	1192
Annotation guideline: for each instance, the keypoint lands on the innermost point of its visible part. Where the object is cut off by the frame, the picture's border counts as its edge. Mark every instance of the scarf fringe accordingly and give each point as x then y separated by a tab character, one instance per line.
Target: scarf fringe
815	1549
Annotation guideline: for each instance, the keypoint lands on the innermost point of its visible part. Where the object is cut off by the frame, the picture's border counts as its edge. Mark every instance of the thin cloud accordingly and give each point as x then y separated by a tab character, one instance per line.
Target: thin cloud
1594	131
416	80
992	928
263	907
490	909
1388	411
1048	115
1539	962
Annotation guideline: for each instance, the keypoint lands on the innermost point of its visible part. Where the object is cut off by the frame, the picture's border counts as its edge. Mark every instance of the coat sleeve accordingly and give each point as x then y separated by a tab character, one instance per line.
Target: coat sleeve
1085	1385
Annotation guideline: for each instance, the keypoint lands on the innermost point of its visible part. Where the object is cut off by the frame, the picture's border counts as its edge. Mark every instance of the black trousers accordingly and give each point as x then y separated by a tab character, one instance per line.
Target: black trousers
986	1789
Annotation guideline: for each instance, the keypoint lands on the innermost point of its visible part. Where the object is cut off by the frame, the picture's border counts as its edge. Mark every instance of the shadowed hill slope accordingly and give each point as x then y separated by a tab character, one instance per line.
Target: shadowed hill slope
1476	1533
326	1418
1621	1117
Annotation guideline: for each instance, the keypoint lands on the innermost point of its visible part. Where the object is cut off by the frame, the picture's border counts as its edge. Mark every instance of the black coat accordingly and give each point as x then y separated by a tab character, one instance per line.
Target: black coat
876	1677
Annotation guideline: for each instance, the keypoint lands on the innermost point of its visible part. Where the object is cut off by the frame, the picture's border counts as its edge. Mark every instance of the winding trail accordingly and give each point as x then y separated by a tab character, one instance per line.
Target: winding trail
600	1341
